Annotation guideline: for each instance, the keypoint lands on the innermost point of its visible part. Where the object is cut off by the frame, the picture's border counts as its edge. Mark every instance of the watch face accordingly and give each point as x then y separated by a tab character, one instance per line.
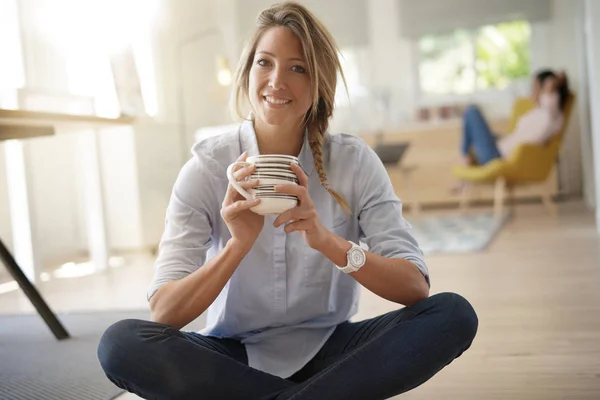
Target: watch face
357	257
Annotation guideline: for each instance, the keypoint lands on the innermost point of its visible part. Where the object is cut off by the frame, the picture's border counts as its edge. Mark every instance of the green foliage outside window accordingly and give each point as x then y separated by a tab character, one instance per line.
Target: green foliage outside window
464	61
502	54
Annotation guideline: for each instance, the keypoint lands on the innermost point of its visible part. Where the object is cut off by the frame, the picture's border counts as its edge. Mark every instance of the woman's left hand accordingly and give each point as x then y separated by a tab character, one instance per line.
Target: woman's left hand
304	216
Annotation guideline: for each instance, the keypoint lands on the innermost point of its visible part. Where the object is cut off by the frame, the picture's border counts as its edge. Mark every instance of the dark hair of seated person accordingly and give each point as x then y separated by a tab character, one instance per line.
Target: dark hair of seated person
562	85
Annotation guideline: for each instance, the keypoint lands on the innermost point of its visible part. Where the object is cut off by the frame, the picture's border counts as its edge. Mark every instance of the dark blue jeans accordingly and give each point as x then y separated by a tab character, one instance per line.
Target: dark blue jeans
372	359
478	137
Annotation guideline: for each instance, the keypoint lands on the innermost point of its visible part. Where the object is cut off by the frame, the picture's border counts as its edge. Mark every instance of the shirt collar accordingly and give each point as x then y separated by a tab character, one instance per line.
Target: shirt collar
249	143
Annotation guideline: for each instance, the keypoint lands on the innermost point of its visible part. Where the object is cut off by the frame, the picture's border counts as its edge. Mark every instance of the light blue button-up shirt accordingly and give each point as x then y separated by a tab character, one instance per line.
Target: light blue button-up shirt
285	299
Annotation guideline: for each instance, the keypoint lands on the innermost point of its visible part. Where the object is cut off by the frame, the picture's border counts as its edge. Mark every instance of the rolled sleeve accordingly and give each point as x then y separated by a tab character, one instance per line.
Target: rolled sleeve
382	227
188	229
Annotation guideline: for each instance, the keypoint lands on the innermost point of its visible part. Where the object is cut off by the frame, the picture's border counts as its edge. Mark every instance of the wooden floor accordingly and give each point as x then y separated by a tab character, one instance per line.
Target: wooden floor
536	291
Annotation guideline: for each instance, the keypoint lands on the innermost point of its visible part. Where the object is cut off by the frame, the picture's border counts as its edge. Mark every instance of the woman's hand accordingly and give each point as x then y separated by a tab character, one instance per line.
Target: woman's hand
244	225
304	216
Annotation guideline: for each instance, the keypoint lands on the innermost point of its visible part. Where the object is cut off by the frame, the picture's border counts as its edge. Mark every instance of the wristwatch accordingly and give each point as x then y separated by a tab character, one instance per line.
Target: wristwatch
356	259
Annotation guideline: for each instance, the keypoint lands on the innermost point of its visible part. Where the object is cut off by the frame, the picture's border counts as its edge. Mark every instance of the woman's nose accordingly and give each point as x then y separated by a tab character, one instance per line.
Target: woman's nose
276	79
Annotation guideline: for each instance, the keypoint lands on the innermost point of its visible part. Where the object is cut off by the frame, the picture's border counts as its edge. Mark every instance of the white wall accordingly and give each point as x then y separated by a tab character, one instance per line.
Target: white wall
158	153
345	19
391	65
118	166
585	112
194	32
564	34
592	16
53	179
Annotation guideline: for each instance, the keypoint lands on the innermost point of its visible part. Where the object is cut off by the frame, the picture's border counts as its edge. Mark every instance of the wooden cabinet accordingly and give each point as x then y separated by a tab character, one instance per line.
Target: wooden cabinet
434	149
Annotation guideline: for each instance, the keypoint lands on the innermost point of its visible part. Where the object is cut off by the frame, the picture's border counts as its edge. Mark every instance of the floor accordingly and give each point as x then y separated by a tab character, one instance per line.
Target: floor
536	291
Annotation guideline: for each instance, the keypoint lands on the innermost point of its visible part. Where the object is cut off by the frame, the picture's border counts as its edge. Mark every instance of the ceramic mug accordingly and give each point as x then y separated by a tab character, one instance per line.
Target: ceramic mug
271	170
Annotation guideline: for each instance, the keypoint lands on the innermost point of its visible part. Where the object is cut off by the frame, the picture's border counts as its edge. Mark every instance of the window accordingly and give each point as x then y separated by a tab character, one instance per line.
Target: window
78	30
466	61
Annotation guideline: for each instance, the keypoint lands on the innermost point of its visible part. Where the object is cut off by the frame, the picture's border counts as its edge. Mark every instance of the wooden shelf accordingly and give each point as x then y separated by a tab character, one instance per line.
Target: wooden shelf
21	117
8	132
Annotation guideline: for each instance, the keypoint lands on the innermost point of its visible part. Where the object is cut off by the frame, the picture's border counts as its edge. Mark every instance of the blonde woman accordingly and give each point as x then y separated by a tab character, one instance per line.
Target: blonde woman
279	291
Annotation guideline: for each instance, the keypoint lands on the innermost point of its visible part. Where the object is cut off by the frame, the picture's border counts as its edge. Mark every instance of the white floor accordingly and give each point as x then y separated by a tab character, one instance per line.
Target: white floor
536	291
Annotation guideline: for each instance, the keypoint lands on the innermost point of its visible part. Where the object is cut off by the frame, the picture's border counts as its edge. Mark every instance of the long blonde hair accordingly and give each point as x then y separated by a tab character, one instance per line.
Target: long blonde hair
321	55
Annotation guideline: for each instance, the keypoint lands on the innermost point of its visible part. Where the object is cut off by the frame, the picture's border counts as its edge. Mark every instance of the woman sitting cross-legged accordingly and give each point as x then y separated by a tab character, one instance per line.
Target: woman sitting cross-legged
280	290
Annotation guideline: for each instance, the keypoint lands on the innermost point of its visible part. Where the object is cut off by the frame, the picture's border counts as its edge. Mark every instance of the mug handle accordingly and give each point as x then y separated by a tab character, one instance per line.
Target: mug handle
234	183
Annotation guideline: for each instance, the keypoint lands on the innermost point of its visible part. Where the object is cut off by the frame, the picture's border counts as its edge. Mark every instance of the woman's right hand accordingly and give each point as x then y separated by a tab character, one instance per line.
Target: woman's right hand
244	225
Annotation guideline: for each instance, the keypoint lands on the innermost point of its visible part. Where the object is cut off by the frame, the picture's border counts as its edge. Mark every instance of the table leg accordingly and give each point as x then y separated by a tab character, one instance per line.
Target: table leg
32	294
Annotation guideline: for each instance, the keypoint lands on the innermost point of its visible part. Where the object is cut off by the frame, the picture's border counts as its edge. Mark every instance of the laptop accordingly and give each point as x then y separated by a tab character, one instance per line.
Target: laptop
391	153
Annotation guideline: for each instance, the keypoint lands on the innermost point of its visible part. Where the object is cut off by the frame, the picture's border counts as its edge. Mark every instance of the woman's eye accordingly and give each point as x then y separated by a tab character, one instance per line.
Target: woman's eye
299	69
262	62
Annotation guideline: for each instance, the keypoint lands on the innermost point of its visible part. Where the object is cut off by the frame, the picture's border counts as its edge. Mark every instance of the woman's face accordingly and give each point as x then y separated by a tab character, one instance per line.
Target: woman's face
279	84
549	85
548	94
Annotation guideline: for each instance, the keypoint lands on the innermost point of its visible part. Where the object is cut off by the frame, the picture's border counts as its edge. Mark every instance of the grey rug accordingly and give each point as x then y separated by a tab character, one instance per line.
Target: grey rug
456	233
34	365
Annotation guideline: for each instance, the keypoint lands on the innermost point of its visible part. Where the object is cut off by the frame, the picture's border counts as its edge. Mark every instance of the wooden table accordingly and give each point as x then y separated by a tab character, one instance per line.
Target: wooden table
21	125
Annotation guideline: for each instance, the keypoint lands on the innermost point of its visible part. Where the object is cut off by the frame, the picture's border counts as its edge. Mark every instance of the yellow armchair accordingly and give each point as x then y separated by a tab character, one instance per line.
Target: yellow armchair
527	164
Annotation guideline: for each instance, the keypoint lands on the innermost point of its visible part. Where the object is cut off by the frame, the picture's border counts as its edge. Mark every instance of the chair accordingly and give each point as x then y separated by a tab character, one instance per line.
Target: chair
528	163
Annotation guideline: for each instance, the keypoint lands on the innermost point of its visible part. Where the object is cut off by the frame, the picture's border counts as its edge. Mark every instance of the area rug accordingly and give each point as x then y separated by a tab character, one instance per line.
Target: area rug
34	365
456	233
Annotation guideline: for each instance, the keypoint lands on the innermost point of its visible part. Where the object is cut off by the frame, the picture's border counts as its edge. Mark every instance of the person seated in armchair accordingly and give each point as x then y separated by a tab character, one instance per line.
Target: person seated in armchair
479	144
